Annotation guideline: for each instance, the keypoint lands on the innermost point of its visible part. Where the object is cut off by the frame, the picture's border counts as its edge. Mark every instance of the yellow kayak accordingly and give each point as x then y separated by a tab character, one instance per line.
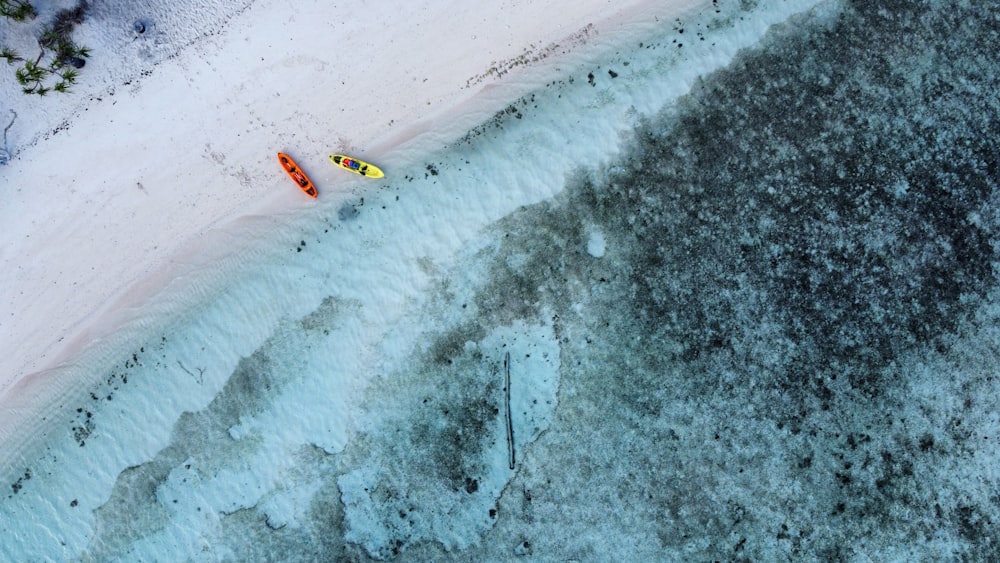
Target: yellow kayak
357	166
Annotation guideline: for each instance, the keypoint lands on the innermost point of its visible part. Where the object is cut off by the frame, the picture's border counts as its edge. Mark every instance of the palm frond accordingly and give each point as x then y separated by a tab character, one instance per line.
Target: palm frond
57	49
10	55
22	76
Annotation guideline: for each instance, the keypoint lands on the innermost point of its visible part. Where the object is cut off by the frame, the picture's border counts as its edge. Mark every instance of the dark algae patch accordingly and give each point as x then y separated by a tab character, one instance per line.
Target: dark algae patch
788	341
785	342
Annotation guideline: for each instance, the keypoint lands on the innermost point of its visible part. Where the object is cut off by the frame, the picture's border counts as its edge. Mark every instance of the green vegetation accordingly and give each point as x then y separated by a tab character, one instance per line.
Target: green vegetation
17	10
55	68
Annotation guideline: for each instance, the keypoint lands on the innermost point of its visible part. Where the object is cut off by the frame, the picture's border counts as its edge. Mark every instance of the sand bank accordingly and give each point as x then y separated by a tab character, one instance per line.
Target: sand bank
125	195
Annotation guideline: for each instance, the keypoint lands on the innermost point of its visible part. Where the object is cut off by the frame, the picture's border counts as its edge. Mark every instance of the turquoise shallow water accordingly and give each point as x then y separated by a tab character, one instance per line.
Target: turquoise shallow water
746	322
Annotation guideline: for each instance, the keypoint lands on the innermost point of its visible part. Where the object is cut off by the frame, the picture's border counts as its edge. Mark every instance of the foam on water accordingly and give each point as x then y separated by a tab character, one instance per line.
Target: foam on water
685	379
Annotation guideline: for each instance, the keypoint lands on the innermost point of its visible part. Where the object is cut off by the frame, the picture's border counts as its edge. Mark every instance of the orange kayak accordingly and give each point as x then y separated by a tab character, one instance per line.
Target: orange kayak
297	174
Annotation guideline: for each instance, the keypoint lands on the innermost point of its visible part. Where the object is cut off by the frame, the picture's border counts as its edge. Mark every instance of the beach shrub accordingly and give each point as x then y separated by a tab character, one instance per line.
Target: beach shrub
51	70
17	10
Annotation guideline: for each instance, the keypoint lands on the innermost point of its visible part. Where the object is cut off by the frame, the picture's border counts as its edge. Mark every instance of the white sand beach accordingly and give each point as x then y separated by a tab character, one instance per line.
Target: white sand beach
116	188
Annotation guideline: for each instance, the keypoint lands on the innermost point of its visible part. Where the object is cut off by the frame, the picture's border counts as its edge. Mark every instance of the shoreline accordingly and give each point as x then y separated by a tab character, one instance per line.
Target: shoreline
68	318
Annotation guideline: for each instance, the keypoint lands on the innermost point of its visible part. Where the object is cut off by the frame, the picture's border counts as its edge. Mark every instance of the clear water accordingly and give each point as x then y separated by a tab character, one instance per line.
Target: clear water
751	321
